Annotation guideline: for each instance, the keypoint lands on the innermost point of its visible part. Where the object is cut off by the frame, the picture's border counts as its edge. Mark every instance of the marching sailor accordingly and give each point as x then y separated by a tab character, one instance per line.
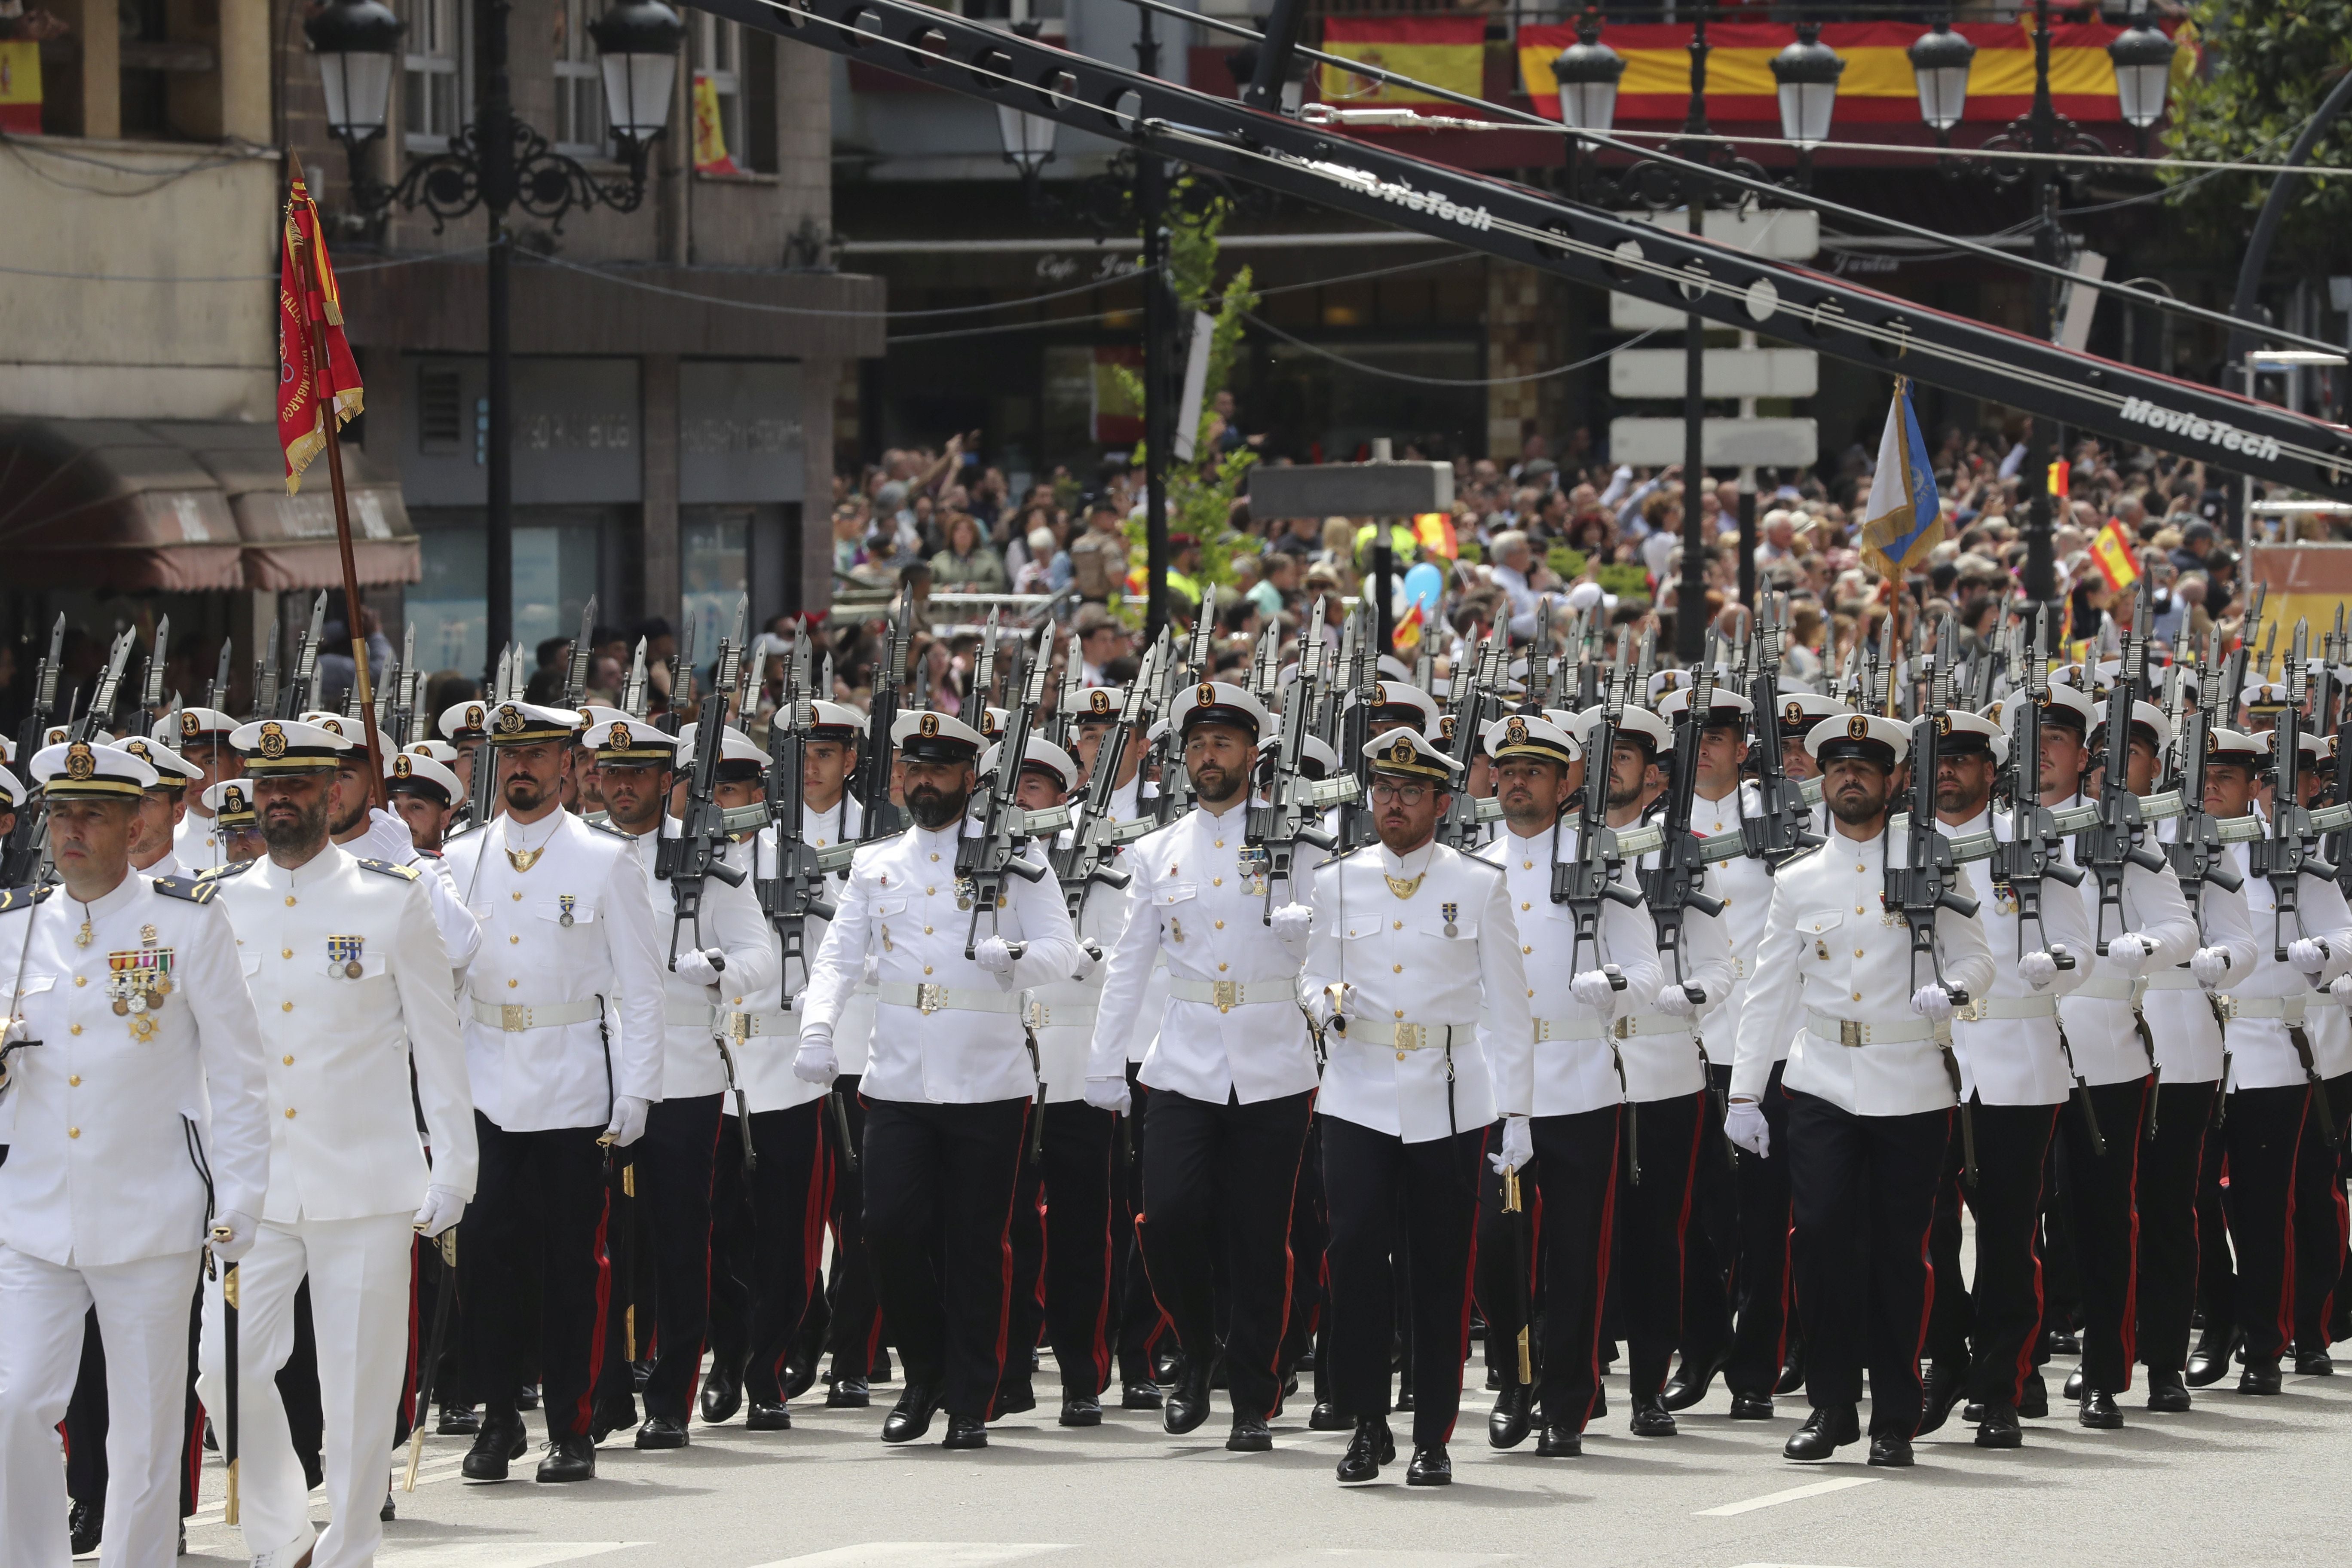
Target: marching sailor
202	734
162	806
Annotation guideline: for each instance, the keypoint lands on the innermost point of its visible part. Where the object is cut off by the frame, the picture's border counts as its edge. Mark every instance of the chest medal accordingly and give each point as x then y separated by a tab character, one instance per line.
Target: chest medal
343	952
137	980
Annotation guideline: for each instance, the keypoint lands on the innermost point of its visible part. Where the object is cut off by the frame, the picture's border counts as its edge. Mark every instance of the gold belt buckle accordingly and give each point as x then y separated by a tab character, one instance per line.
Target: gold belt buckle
1850	1033
1037	1015
1225	993
1411	1037
1974	1013
930	998
739	1026
2229	1003
514	1016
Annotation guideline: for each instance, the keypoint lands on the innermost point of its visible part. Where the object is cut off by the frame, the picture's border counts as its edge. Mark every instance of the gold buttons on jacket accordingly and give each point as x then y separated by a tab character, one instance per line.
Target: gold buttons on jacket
289	900
931	889
514	941
935	854
1527	865
286	1007
1217	881
289	1061
74	1082
1219	842
285	952
1526	906
1221	969
1527	949
510	984
1857	996
289	1113
81	979
73	1030
927	930
73	1131
927	969
1220	925
1399	925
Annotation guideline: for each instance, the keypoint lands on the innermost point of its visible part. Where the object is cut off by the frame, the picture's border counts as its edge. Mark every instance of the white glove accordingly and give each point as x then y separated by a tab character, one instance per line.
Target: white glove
1518	1145
442	1209
1744	1124
1675	1001
1593	989
1324	1008
241	1228
995	955
2038	969
628	1123
1292	923
1932	1001
15	1030
2211	966
699	966
1109	1094
2341	989
2308	953
871	970
815	1061
1090	958
387	839
2130	953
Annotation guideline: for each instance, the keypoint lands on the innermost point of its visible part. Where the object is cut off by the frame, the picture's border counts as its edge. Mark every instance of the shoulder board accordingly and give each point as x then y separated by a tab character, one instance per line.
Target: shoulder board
386	869
876	842
1343	854
217	872
195	889
607	828
466	832
23	898
1467	857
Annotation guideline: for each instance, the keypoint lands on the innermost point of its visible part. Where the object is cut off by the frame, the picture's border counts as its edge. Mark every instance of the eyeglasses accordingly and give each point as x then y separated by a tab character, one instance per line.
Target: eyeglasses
1400	793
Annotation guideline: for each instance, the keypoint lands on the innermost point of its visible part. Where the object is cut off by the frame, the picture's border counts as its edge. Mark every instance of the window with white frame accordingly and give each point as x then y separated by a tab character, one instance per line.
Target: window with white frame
433	101
579	81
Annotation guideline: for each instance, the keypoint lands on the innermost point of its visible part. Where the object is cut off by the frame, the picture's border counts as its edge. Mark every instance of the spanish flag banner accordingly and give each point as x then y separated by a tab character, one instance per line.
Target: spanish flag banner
20	86
709	130
2061	479
308	297
1904	517
1444	51
1434	532
1408	629
1877	87
2115	553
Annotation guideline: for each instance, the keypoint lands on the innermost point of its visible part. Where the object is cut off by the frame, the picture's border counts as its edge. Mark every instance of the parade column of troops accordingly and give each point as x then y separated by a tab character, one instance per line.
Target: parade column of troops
1087	1021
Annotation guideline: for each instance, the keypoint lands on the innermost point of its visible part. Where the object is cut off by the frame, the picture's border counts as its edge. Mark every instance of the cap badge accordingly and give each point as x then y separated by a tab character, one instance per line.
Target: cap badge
928	726
1401	751
273	741
1858	728
1516	731
80	764
331	726
1208	693
1379	692
1669	681
1995	714
619	737
232	798
1098	702
509	720
1794	713
401	766
473	715
189	723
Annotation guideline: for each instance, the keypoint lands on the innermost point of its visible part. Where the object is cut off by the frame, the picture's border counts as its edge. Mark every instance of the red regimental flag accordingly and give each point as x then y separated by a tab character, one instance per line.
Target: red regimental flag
307	295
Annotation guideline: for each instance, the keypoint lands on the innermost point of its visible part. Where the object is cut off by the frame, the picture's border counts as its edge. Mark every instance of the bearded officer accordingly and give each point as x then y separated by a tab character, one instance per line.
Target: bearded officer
1870	1092
202	737
565	926
1232	1074
1414	941
950	1082
135	1098
351	982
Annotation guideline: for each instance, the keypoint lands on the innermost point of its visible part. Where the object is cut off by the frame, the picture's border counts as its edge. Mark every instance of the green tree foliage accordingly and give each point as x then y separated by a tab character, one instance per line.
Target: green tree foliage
2265	66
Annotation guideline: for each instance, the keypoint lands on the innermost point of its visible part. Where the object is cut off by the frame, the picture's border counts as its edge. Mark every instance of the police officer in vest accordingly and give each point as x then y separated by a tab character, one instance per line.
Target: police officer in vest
352	983
948	1085
137	1125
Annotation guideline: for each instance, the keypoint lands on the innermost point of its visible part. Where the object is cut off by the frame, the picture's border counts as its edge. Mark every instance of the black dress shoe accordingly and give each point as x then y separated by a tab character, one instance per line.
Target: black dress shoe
1188	1400
1558	1443
1325	1417
1249	1436
499	1442
1081	1410
1013	1399
2210	1361
1371	1446
1600	1402
1751	1407
1495	1380
911	1417
387	1513
1429	1466
86	1523
1997	1428
880	1371
526	1397
799	1378
2099	1411
848	1394
722	1394
1404	1399
1689	1384
965	1432
1651	1418
2063	1341
1506	1423
762	1417
1826	1430
2314	1364
1944	1386
458	1421
1792	1371
2075	1384
2166	1394
2033	1399
1139	1396
661	1432
570	1458
2260	1377
1890	1451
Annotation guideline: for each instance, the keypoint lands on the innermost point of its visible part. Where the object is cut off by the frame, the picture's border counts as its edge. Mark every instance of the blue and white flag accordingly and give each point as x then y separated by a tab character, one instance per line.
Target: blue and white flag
1904	517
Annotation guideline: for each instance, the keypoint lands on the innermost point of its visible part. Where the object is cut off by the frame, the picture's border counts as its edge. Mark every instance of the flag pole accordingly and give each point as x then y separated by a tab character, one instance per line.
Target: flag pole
314	348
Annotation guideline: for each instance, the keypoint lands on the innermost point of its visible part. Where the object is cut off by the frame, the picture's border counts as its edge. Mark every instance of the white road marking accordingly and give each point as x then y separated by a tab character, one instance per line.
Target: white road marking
1771	1498
496	1553
1372	1557
931	1553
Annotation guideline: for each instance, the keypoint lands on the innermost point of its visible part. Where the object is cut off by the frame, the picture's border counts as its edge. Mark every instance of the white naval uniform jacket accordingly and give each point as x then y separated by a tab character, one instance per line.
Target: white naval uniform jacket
731	922
1575	1050
461	937
1062	1013
900	908
199	842
2179	1012
763	1061
99	1168
542	1076
1433	959
2261	1054
1665	1053
1745	886
1194	903
2101	1027
337	1049
1833	949
2011	1055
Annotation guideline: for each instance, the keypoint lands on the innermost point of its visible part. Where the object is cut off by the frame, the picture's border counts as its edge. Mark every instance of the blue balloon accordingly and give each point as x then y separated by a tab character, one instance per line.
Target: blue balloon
1425	586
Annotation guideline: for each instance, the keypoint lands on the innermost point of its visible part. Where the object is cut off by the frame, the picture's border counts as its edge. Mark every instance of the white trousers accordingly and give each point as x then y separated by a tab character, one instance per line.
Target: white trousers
358	1273
143	1312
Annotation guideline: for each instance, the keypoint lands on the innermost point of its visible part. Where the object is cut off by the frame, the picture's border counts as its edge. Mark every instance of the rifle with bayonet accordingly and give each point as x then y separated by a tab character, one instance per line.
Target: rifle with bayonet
264	679
2336	847
1589	879
632	689
22	856
2291	848
2198	852
1783	827
698	850
1671	884
1274	831
217	696
151	681
794	891
882	818
1065	696
2108	850
1355	828
575	679
1474	694
301	695
986	859
1086	861
2034	850
405	690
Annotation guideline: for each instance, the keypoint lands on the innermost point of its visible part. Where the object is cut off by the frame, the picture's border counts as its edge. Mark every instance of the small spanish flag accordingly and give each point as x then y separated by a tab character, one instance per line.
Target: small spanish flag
1408	628
1434	530
2115	553
2061	475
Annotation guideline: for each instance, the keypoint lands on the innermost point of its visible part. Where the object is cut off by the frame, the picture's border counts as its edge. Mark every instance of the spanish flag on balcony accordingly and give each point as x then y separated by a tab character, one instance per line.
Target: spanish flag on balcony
20	86
1444	51
307	299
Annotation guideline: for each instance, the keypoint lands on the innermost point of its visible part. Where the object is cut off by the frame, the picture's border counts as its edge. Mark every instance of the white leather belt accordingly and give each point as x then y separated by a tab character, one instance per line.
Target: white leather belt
2173	980
759	1025
689	1015
1847	1032
1225	995
1402	1036
2112	989
1061	1015
948	998
1651	1026
1987	1007
1569	1029
513	1016
2287	1009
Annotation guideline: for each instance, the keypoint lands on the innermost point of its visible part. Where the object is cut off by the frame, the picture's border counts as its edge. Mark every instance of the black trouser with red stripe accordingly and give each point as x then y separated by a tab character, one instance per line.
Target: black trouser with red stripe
1862	1190
2170	1167
1759	1280
1061	1249
1390	1200
938	1211
1140	1322
773	1224
1653	1214
2260	1138
2319	1217
1711	1241
675	1163
1572	1190
539	1214
2097	1192
853	1328
1993	1329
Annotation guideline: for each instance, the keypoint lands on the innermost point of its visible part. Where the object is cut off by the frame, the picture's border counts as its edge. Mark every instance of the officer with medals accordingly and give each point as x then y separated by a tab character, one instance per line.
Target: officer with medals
565	928
135	1095
351	982
1869	1092
1579	1090
202	737
1231	1076
162	806
372	832
1413	942
948	1085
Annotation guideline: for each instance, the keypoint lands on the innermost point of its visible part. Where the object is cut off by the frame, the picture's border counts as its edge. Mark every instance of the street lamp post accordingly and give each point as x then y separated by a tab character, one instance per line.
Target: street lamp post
1806	74
1585	74
1158	324
1690	598
495	163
